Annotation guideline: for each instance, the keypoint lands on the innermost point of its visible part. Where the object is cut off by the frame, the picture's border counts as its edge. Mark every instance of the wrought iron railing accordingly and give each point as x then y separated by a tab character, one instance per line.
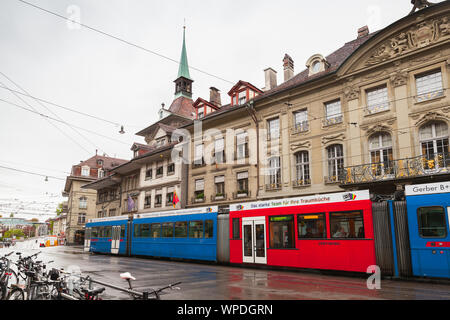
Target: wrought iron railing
397	169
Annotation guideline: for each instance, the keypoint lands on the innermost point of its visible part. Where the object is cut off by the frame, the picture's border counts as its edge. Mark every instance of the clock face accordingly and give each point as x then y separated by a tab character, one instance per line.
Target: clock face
316	67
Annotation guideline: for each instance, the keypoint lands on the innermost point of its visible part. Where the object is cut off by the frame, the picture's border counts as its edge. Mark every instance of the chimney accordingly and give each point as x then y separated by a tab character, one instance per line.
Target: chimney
362	32
288	65
271	79
214	97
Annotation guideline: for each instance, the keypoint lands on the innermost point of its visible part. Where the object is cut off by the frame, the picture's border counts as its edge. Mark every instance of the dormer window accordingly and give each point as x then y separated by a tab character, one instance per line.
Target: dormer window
316	64
99	162
85	171
242	92
136	153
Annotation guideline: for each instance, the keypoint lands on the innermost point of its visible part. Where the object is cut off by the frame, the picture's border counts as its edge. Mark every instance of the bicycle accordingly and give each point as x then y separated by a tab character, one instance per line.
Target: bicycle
7	276
145	295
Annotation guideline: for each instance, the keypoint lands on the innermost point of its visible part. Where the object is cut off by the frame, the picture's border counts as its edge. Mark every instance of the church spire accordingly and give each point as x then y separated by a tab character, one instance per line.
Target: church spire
183	70
183	83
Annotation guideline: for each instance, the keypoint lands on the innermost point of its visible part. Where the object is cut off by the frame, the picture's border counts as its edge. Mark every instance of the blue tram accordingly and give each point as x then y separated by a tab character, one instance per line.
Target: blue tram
428	208
183	234
106	235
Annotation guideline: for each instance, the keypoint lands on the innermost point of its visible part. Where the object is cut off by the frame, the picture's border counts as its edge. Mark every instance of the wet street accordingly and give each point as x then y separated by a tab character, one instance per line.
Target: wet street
208	281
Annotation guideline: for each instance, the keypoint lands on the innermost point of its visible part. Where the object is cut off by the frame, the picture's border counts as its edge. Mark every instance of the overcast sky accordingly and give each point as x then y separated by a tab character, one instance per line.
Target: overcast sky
77	68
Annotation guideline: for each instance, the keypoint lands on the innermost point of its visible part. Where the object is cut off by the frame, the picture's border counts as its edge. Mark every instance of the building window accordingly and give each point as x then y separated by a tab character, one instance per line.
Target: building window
242	97
199	190
198	156
377	100
159	171
219	152
302	175
85	171
335	156
83	203
274	128
147	201
333	113
201	113
101	173
301	121
381	156
148	174
429	86
99	162
169	198
312	226
171	169
241	146
434	141
220	186
274	173
242	184
347	224
431	222
158	200
133	206
281	232
112	212
81	218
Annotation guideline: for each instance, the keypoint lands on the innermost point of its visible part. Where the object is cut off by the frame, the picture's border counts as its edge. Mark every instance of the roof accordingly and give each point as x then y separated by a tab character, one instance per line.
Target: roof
183	106
246	84
171	118
108	162
335	60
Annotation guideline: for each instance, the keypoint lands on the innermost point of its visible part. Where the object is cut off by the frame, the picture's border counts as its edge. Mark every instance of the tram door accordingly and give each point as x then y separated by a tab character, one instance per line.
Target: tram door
87	240
115	239
254	240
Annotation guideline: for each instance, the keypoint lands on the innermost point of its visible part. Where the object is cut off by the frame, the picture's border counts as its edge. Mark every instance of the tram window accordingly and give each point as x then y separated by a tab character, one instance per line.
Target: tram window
181	229
281	232
155	230
108	232
144	231
209	229
122	231
167	230
196	229
311	226
94	233
236	229
431	222
137	228
101	232
348	225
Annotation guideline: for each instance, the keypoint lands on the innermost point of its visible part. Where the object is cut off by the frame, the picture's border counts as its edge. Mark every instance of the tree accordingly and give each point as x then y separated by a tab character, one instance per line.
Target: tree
11	215
14	232
35	220
59	209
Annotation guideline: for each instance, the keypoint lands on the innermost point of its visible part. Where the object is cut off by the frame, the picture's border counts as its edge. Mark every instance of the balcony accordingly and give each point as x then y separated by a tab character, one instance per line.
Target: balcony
332	121
300	127
273	186
301	183
242	194
198	198
421	166
219	197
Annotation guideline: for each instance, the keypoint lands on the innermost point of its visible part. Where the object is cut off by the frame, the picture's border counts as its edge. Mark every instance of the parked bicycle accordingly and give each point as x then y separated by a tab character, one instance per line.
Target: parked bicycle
147	295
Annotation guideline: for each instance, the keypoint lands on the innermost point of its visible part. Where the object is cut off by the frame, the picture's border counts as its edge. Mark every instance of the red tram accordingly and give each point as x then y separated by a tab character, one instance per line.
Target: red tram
329	232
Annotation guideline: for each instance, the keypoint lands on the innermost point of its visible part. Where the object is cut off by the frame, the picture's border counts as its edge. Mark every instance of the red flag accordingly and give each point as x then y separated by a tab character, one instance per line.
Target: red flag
175	199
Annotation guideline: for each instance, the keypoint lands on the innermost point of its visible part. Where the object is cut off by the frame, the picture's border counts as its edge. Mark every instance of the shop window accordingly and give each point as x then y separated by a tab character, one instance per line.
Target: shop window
431	222
347	225
311	226
281	232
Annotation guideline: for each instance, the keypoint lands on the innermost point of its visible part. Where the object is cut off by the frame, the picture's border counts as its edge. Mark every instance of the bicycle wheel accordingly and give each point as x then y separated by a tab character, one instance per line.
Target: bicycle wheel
16	294
3	291
12	277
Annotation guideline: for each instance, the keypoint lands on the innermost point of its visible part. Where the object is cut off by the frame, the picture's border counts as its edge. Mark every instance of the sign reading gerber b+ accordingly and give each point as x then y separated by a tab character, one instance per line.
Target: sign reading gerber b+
428	188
